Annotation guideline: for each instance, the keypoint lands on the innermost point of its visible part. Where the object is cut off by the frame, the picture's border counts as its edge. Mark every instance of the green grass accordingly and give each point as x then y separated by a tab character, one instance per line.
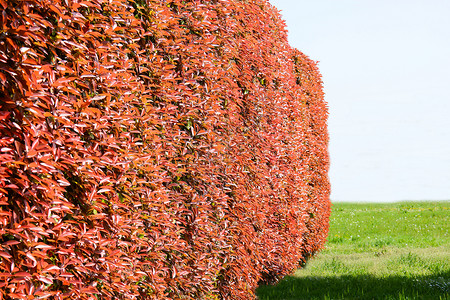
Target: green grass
377	251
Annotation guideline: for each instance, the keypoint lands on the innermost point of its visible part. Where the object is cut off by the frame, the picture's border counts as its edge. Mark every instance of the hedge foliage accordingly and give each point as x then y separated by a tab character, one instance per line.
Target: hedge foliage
154	149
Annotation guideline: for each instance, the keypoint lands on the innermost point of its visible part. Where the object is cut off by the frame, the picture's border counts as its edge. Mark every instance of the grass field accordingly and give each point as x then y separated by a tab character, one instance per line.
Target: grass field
377	251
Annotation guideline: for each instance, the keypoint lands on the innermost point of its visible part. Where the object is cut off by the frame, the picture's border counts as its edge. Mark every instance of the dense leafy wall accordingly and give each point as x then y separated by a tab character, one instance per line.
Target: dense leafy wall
155	149
316	155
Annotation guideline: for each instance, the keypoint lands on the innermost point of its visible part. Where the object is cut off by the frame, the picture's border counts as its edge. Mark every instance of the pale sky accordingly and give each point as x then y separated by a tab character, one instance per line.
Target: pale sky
386	71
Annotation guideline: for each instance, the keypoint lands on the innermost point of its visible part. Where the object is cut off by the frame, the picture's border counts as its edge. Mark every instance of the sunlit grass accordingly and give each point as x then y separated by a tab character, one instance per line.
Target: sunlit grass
377	251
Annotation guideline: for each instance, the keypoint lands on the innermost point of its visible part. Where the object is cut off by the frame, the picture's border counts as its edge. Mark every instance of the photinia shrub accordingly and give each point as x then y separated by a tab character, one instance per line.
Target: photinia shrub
156	149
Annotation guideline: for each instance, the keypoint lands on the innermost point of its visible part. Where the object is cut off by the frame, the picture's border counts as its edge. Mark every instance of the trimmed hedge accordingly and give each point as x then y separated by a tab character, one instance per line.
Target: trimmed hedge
156	149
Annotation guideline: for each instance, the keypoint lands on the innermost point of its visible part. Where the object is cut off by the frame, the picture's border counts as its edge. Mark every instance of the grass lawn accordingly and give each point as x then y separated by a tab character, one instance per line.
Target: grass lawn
377	251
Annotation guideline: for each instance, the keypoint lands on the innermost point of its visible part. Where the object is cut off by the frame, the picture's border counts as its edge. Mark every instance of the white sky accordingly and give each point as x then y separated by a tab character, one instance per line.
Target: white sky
386	70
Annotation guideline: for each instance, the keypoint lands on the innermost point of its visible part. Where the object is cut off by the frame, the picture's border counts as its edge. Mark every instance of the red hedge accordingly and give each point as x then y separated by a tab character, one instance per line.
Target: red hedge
156	150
